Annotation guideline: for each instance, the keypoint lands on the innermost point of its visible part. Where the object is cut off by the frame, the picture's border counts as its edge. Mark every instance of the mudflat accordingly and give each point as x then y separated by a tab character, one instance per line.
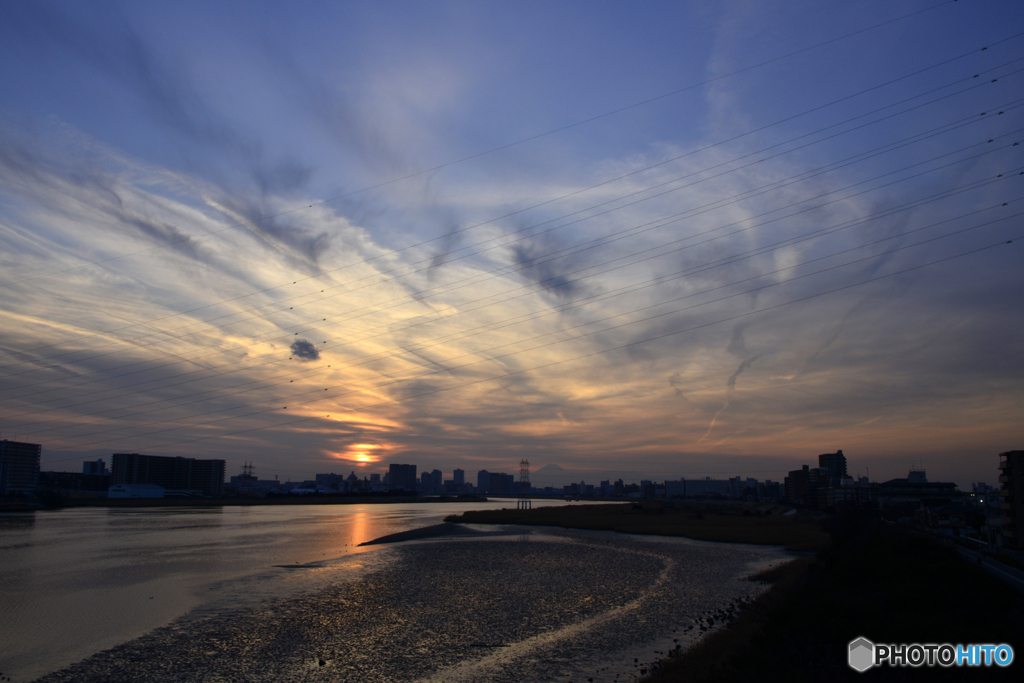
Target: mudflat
557	605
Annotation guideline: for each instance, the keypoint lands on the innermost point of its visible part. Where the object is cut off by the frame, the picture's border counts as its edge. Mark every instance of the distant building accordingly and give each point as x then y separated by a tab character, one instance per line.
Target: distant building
835	465
818	484
248	485
19	467
1011	464
184	475
770	490
707	488
402	477
901	497
796	485
847	494
95	467
459	477
483	481
952	519
330	481
501	483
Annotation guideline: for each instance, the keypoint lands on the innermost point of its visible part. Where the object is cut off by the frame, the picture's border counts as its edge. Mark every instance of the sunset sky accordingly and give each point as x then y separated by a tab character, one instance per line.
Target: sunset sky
677	239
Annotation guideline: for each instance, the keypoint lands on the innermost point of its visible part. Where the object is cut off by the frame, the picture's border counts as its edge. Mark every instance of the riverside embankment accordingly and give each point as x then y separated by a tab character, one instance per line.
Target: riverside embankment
866	579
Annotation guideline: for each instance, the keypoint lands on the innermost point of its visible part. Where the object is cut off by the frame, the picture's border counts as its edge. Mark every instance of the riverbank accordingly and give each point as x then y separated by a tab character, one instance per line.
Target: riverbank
30	505
868	580
877	582
723	523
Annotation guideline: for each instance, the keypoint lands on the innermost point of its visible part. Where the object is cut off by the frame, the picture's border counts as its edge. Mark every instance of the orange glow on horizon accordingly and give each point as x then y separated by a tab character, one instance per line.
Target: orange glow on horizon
361	453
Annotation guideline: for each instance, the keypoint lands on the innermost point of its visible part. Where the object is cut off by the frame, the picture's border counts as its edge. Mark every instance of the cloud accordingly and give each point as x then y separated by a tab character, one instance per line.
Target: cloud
304	246
737	347
304	350
183	140
165	90
537	267
677	383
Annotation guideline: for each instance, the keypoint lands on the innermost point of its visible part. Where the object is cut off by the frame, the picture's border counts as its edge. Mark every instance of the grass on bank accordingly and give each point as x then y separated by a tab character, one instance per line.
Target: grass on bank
875	581
870	579
732	523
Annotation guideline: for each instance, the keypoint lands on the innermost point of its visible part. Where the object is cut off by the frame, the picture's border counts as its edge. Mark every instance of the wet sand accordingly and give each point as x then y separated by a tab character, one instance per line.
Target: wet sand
533	605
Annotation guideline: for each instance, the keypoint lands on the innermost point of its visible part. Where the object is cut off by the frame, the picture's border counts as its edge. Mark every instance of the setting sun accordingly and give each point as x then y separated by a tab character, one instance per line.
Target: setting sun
360	453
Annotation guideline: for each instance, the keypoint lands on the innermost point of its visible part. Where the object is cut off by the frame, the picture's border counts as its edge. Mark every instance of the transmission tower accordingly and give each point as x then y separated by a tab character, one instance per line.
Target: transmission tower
524	502
247	482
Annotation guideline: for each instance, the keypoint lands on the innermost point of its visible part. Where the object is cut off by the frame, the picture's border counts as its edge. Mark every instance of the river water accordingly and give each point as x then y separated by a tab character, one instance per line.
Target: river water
280	593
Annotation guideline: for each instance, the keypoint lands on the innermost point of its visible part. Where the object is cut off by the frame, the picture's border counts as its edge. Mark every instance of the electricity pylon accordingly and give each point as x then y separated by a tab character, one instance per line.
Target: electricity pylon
524	502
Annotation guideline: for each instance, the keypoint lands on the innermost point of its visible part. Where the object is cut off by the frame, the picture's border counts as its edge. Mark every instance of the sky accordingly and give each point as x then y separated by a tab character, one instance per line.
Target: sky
675	239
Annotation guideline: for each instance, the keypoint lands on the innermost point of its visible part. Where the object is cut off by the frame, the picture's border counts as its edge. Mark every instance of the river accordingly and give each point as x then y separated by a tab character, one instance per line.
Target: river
159	585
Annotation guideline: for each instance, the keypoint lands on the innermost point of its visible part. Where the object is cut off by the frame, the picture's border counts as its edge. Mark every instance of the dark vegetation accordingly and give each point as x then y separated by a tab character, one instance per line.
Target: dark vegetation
875	581
728	523
870	579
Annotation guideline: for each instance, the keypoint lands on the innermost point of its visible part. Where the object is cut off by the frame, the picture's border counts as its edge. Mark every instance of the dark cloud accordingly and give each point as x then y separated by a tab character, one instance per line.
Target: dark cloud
165	234
446	245
731	382
738	342
122	56
535	264
32	169
164	93
303	246
285	177
677	382
304	350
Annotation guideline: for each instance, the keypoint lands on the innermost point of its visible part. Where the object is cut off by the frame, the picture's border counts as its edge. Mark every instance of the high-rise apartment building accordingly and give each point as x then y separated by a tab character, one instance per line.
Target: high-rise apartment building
19	467
402	477
171	473
834	464
459	477
1011	464
95	467
795	485
500	483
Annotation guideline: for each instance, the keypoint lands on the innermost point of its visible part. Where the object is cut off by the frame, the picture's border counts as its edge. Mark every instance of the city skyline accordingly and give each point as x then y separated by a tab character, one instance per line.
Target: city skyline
701	241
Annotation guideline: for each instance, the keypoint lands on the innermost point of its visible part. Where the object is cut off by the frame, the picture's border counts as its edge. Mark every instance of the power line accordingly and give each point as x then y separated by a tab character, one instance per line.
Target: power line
661	248
520	142
629	289
447	369
725	260
199	323
602	241
595	353
620	177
